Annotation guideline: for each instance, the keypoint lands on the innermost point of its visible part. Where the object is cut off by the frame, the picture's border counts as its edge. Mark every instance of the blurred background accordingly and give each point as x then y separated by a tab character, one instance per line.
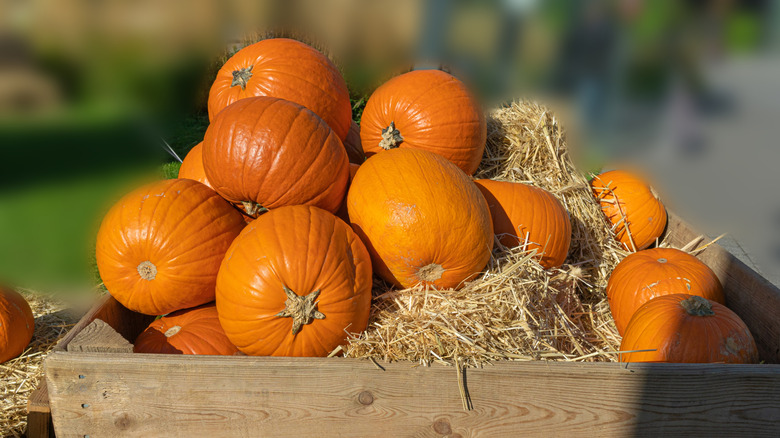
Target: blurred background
91	94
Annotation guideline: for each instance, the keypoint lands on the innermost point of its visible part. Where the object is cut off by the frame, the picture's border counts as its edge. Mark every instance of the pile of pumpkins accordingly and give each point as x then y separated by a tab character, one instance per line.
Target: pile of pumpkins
268	241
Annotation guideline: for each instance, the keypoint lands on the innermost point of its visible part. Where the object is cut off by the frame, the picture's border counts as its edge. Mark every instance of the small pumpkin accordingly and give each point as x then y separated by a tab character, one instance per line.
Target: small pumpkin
343	213
187	331
287	69
682	328
192	166
265	153
294	283
17	324
425	109
521	212
159	248
637	215
422	219
353	146
654	272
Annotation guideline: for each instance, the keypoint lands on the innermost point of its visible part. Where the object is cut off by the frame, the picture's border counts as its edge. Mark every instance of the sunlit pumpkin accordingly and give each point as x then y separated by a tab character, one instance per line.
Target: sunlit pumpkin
192	166
17	324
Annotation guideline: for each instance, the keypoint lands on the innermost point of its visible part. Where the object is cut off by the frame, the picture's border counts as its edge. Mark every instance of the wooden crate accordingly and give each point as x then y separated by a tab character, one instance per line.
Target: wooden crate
95	392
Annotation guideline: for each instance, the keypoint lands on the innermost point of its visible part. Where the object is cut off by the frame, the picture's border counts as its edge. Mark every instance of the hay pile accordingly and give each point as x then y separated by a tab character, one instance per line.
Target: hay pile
19	377
516	310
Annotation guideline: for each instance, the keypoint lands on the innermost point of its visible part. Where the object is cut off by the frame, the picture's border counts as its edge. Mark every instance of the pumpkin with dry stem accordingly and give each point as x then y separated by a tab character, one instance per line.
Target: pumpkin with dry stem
159	248
423	220
681	328
294	283
188	331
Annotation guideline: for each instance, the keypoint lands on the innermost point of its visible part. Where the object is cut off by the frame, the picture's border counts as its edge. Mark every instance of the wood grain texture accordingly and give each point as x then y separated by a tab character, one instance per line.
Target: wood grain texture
99	337
133	395
39	422
127	323
748	294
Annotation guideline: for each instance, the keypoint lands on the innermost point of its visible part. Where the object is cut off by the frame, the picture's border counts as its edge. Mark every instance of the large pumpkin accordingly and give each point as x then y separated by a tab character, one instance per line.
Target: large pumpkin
265	153
654	272
425	109
17	324
521	212
159	248
294	283
289	70
422	219
192	166
188	331
683	328
627	199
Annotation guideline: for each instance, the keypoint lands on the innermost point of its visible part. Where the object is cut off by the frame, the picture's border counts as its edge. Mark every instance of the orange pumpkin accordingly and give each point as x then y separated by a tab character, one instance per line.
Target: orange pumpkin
353	146
627	199
342	213
286	69
188	331
159	248
192	166
521	212
422	219
294	283
265	153
17	324
654	272
425	109
683	328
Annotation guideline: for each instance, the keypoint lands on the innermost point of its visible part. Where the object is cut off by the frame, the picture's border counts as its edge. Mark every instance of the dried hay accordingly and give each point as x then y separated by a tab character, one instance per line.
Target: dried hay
19	377
516	310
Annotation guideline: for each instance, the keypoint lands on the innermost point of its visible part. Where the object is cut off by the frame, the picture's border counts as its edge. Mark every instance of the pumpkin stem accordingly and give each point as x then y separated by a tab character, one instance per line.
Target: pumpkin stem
430	273
172	331
391	137
253	208
302	309
147	270
241	77
697	306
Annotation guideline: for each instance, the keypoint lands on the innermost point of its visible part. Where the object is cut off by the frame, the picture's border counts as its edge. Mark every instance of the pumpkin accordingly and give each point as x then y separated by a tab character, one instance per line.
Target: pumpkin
425	109
286	69
353	146
192	166
265	153
342	213
159	248
188	331
17	324
651	273
421	218
683	328
521	212
294	283
637	215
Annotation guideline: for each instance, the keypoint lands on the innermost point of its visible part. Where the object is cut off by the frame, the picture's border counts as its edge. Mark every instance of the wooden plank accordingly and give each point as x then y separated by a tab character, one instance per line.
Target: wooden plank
127	323
130	395
99	337
748	294
39	422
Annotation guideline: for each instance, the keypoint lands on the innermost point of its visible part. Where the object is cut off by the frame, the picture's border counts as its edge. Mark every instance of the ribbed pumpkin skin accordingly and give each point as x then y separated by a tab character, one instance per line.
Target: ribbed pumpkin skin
433	111
654	272
305	249
192	166
418	215
17	324
273	152
178	228
678	337
289	70
187	331
518	209
353	146
645	213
